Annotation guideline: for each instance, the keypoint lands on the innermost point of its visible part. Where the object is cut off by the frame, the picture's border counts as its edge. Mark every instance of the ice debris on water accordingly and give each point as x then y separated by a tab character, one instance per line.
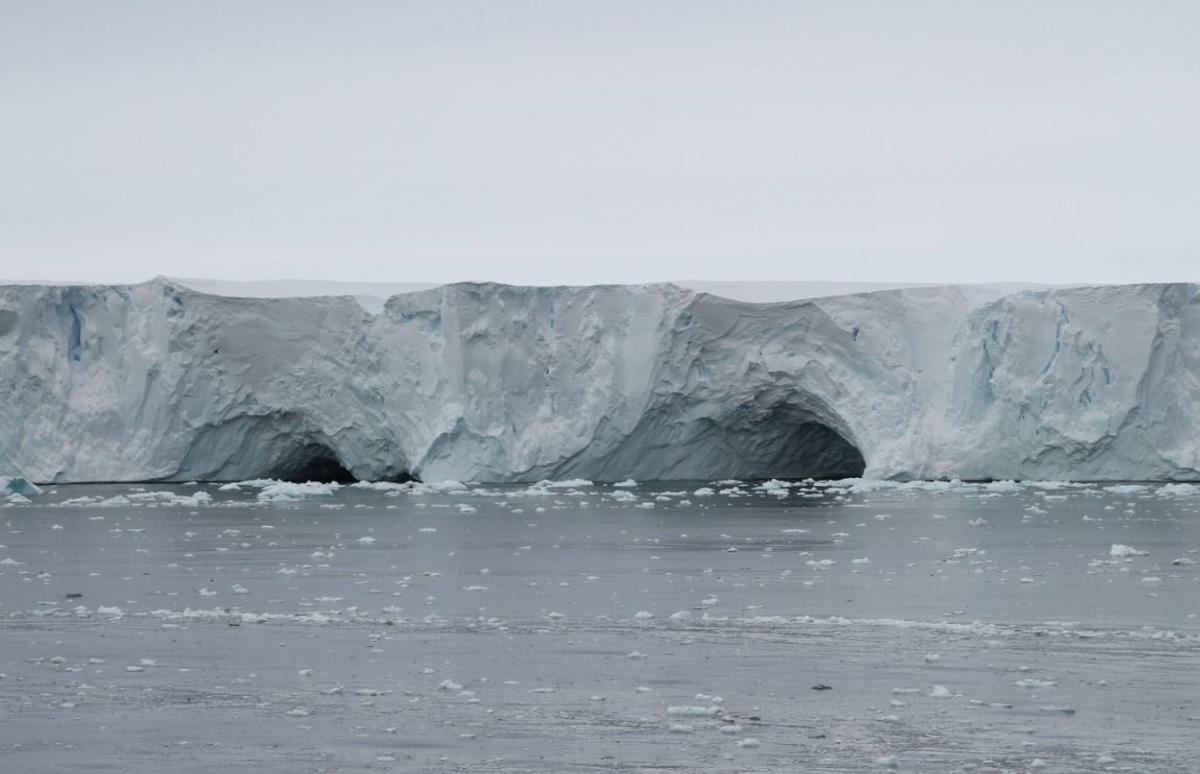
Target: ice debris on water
694	711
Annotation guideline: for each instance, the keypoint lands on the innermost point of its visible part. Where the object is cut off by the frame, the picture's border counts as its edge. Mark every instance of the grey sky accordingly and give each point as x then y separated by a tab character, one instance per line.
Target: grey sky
597	141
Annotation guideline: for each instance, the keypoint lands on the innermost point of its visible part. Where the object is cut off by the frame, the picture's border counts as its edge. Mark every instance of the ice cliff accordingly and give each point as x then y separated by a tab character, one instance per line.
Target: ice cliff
497	383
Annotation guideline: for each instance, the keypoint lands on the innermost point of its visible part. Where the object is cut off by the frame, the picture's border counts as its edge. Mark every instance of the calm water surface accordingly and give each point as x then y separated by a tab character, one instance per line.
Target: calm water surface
575	628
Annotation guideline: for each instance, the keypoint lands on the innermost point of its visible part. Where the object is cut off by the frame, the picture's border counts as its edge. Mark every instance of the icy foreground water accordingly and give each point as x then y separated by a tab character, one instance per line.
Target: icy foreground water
576	628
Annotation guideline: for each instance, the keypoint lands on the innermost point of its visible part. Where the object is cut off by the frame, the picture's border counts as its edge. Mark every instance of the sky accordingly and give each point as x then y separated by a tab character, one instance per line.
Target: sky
566	142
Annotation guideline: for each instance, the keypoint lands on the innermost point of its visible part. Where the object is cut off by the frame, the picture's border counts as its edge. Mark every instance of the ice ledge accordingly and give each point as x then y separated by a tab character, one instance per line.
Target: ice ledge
158	381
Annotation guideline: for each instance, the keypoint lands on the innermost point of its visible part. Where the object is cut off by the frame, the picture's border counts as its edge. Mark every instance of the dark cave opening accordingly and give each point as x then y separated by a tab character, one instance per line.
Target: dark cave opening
818	451
285	446
312	462
784	440
784	436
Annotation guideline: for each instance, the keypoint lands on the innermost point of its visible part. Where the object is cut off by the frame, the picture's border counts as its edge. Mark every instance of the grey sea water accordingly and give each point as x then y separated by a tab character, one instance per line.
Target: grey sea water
678	627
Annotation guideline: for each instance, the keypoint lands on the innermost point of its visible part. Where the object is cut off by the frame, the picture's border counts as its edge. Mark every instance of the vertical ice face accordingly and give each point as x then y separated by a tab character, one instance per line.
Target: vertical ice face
490	382
1097	383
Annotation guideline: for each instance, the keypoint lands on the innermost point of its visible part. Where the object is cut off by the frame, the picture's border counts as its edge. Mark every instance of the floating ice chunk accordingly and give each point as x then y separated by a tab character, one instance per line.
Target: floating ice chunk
18	485
860	485
1120	550
282	491
1000	486
387	487
940	692
629	482
571	483
1178	490
748	742
155	498
694	711
436	487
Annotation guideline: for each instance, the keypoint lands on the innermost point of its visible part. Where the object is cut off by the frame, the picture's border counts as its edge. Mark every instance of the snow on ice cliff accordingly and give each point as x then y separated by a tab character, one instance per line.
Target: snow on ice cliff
496	383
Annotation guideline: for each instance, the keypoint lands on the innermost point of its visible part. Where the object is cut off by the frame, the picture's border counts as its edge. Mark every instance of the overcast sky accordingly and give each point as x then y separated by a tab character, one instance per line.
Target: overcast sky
601	141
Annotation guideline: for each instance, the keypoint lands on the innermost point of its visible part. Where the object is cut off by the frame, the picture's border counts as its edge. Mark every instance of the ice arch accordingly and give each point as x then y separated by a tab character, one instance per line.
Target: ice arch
787	441
780	440
284	446
773	434
311	462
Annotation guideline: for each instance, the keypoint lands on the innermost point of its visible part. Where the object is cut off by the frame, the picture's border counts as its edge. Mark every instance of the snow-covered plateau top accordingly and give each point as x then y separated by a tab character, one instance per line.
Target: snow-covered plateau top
487	382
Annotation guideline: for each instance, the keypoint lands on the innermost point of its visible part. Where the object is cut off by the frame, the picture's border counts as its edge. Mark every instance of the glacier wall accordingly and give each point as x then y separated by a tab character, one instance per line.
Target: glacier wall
496	383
